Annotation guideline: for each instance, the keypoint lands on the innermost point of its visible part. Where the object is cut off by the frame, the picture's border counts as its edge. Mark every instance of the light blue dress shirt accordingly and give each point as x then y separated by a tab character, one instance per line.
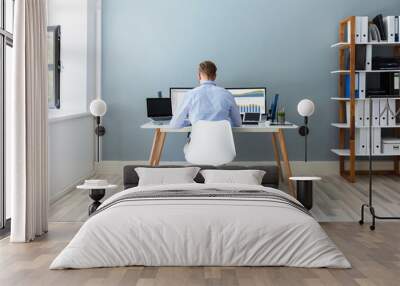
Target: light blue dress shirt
207	102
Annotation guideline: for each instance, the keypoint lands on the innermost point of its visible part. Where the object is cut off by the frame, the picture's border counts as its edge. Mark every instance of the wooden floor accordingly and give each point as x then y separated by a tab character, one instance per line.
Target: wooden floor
334	199
375	257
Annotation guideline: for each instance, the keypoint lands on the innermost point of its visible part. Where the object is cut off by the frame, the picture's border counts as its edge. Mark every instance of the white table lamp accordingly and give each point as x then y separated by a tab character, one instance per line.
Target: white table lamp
98	108
305	108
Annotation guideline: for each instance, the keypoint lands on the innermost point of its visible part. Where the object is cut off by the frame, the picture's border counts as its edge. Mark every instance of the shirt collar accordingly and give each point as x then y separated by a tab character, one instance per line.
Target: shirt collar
207	82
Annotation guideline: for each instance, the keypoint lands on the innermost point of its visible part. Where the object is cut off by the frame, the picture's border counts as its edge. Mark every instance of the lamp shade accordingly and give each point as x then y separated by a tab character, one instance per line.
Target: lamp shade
98	107
305	107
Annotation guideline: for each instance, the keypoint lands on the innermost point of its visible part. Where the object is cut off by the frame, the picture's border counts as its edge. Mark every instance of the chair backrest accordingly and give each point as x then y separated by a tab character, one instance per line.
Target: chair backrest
211	143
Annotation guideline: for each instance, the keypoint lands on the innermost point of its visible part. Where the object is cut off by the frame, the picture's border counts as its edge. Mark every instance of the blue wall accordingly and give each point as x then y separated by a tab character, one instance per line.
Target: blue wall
283	45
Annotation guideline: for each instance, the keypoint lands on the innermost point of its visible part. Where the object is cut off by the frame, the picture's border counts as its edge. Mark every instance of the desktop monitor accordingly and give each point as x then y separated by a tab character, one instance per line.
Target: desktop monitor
250	99
247	99
158	107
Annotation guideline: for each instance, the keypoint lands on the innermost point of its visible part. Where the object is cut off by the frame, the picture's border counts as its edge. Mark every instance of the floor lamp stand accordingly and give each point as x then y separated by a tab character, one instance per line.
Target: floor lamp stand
369	205
100	131
304	131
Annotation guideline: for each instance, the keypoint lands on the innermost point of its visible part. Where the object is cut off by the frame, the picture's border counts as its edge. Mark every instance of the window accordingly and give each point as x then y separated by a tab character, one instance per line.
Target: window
6	44
54	65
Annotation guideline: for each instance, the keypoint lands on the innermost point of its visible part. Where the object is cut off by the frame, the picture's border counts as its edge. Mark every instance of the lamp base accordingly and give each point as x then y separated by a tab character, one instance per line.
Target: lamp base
303	130
100	130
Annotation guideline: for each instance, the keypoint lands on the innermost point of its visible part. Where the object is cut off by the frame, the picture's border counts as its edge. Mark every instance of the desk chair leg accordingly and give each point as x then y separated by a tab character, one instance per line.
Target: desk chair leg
154	148
276	155
288	171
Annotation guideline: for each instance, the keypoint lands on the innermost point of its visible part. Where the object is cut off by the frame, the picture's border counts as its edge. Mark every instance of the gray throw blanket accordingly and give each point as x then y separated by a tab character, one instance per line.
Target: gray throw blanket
205	194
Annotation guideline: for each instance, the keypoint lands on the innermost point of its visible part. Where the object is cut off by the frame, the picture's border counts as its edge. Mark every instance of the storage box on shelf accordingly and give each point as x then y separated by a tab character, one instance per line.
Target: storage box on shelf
354	105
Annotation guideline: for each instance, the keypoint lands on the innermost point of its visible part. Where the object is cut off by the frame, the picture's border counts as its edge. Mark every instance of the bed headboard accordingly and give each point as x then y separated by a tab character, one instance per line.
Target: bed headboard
270	179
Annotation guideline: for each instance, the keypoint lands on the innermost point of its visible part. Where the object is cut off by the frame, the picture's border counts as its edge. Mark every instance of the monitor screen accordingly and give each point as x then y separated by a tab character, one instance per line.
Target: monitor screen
157	107
247	99
250	99
177	95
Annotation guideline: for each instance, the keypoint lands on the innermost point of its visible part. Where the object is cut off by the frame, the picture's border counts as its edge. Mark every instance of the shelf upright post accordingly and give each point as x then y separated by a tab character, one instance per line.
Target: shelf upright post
342	103
352	143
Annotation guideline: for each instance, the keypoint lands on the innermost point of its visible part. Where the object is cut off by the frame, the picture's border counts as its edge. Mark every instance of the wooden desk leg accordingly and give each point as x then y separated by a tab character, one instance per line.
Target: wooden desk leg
288	171
156	142
160	148
276	155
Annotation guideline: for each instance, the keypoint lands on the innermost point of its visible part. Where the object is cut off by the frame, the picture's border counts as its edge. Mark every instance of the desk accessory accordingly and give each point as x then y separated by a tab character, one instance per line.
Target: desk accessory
281	116
280	124
274	106
305	108
98	109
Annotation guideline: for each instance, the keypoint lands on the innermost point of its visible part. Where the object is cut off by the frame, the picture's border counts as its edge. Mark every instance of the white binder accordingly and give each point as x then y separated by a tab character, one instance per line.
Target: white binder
368	57
383	112
361	141
361	84
364	29
391	112
376	141
375	112
358	29
366	112
398	21
359	113
389	27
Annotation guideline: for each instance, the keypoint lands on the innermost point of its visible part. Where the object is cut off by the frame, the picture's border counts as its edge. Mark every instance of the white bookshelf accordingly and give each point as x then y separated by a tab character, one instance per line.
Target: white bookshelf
346	126
345	44
348	99
349	133
346	153
366	71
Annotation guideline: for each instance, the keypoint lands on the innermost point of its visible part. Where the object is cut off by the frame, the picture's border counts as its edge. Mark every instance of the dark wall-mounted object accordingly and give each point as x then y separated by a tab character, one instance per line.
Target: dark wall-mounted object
54	65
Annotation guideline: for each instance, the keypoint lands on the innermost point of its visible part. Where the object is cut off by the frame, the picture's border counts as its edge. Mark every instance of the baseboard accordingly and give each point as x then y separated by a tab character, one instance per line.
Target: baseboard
298	167
71	187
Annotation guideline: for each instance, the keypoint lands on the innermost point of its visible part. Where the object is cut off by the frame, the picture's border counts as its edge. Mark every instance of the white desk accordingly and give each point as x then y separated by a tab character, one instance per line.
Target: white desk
160	132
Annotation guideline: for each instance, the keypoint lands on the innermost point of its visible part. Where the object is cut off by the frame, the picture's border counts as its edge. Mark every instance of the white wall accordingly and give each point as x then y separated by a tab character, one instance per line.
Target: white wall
77	19
71	153
71	129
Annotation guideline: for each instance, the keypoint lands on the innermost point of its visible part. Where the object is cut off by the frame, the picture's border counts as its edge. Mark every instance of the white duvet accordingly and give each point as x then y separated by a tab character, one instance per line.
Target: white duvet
219	232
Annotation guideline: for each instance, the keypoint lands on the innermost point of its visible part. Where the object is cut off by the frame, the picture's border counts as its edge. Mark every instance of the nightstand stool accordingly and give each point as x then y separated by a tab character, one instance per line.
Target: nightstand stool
96	193
305	190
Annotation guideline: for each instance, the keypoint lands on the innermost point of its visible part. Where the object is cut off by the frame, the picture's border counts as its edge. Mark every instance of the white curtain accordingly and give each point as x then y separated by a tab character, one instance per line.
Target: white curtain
26	119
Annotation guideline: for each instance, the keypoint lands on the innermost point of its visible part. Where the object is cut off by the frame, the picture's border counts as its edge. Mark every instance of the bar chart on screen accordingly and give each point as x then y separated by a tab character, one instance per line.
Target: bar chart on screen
244	108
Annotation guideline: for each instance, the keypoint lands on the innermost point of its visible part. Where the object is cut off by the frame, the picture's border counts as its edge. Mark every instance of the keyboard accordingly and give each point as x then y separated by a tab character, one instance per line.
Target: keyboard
161	118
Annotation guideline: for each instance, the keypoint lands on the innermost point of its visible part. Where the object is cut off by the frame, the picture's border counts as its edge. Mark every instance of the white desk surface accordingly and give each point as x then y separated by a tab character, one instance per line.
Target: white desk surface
261	127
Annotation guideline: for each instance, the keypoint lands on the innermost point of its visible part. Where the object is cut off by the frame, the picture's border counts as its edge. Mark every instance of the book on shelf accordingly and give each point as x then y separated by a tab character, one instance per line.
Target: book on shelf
348	84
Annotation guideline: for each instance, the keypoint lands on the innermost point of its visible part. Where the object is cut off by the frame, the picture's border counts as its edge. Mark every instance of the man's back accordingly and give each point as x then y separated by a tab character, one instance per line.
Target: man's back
207	102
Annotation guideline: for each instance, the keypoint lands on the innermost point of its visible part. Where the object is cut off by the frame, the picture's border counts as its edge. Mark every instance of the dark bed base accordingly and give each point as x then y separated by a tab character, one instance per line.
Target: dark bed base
271	177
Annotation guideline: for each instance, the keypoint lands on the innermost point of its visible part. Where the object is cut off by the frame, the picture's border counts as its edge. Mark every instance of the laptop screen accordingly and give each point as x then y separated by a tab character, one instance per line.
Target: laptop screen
157	107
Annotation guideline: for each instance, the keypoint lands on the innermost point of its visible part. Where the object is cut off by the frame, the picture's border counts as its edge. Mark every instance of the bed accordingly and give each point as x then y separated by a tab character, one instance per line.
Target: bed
199	224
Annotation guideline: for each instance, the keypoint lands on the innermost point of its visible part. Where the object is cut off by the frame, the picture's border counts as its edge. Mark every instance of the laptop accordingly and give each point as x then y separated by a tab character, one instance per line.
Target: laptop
251	118
159	109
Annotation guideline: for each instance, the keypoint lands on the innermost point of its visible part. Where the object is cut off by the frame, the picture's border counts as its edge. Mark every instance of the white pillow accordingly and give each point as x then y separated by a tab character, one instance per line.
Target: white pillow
248	177
165	176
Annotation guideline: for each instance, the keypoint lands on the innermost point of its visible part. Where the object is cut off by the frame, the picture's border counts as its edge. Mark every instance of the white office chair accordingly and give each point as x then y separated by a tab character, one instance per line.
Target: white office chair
211	143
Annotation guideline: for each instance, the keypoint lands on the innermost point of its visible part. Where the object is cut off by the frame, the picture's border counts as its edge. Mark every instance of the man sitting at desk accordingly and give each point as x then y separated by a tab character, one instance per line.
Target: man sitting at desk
207	102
